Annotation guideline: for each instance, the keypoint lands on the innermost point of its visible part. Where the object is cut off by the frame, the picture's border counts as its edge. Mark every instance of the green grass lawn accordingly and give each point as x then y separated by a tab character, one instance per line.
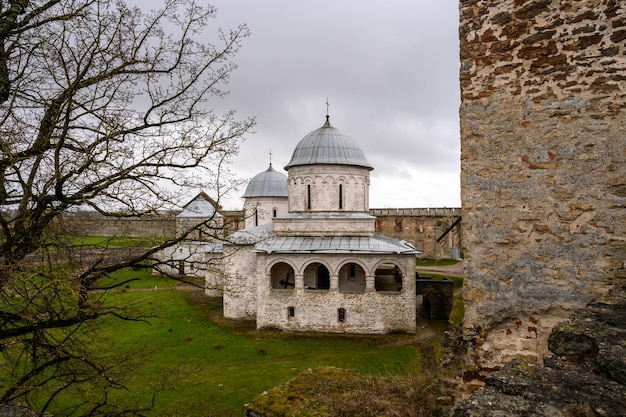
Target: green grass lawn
435	262
204	369
112	242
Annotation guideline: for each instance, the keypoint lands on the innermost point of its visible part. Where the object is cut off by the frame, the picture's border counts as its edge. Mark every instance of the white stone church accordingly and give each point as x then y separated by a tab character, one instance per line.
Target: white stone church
308	258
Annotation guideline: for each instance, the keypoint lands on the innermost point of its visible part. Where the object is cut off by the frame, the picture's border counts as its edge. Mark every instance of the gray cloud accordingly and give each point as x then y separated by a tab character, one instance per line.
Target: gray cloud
389	70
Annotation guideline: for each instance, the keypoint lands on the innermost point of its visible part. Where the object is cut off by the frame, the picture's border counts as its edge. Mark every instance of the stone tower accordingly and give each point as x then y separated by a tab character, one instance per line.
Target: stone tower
543	166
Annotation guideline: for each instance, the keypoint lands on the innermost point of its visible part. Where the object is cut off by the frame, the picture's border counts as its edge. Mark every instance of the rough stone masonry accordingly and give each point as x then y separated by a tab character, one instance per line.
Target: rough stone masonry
543	167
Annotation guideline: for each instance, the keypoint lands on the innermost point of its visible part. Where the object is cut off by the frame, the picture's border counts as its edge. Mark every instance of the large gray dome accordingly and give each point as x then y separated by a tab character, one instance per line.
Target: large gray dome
327	145
268	183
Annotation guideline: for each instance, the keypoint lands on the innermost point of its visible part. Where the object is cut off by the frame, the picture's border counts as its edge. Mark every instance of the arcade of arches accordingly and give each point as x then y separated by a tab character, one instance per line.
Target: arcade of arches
351	276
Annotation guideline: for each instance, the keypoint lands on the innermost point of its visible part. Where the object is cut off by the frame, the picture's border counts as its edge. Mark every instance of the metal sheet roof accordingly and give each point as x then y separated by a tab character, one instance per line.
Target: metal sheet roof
200	206
328	145
337	244
252	235
269	183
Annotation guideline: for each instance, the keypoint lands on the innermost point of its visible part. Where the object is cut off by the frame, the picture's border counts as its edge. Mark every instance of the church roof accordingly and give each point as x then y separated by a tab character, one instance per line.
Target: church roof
269	183
376	244
327	145
201	206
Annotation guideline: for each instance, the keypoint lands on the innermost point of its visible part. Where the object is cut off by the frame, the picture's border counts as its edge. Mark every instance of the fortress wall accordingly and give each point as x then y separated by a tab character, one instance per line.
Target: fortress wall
422	227
95	224
543	142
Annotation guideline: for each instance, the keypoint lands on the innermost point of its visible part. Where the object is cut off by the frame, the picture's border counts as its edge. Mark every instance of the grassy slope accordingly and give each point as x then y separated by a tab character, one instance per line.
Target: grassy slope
202	369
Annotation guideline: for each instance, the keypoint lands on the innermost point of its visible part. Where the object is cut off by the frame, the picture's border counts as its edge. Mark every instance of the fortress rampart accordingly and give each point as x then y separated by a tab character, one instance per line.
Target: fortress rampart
543	157
420	226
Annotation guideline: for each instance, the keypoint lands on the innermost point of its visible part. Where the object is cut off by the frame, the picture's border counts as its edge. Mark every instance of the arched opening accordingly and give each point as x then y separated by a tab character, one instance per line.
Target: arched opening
308	196
340	196
388	277
351	277
282	276
316	276
426	304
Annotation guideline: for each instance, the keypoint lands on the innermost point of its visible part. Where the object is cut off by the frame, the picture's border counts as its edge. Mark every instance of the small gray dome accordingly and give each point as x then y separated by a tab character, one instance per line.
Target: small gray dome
327	145
268	183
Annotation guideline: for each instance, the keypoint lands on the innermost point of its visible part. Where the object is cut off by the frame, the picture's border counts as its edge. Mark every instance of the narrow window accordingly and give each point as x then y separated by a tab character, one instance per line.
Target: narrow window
291	311
341	315
181	267
352	270
308	196
274	212
256	217
340	196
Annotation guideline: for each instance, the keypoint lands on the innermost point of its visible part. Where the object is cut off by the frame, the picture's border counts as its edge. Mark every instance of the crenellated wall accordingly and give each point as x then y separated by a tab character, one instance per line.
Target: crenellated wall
543	157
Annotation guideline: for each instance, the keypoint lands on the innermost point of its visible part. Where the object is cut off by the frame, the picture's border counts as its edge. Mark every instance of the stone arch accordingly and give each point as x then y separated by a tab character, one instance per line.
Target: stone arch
352	275
282	274
388	276
316	275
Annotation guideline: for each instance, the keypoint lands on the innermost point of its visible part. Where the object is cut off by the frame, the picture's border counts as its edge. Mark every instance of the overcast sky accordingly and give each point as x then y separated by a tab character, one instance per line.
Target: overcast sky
389	71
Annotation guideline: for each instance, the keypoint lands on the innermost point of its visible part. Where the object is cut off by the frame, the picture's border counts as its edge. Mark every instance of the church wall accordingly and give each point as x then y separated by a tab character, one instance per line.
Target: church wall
360	226
543	128
264	207
240	275
192	259
317	310
325	194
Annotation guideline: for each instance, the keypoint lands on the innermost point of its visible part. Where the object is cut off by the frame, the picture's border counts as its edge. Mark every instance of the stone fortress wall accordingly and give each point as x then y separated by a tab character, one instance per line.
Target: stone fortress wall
420	226
425	228
543	157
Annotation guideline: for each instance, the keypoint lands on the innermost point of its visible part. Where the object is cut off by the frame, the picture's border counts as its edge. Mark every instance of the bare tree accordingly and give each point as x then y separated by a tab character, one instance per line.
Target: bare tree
102	107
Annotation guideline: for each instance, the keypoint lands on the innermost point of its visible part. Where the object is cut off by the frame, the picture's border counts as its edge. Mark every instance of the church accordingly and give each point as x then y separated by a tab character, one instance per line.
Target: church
309	257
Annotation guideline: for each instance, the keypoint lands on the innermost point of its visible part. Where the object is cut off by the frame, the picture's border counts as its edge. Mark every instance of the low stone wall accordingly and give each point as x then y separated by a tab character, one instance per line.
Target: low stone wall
438	296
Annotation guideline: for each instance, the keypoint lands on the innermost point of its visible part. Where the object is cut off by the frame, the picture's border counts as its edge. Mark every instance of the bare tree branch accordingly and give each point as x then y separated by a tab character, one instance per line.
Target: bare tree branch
104	107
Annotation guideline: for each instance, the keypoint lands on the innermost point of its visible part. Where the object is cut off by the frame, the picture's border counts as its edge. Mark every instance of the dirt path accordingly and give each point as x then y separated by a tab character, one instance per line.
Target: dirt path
454	270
